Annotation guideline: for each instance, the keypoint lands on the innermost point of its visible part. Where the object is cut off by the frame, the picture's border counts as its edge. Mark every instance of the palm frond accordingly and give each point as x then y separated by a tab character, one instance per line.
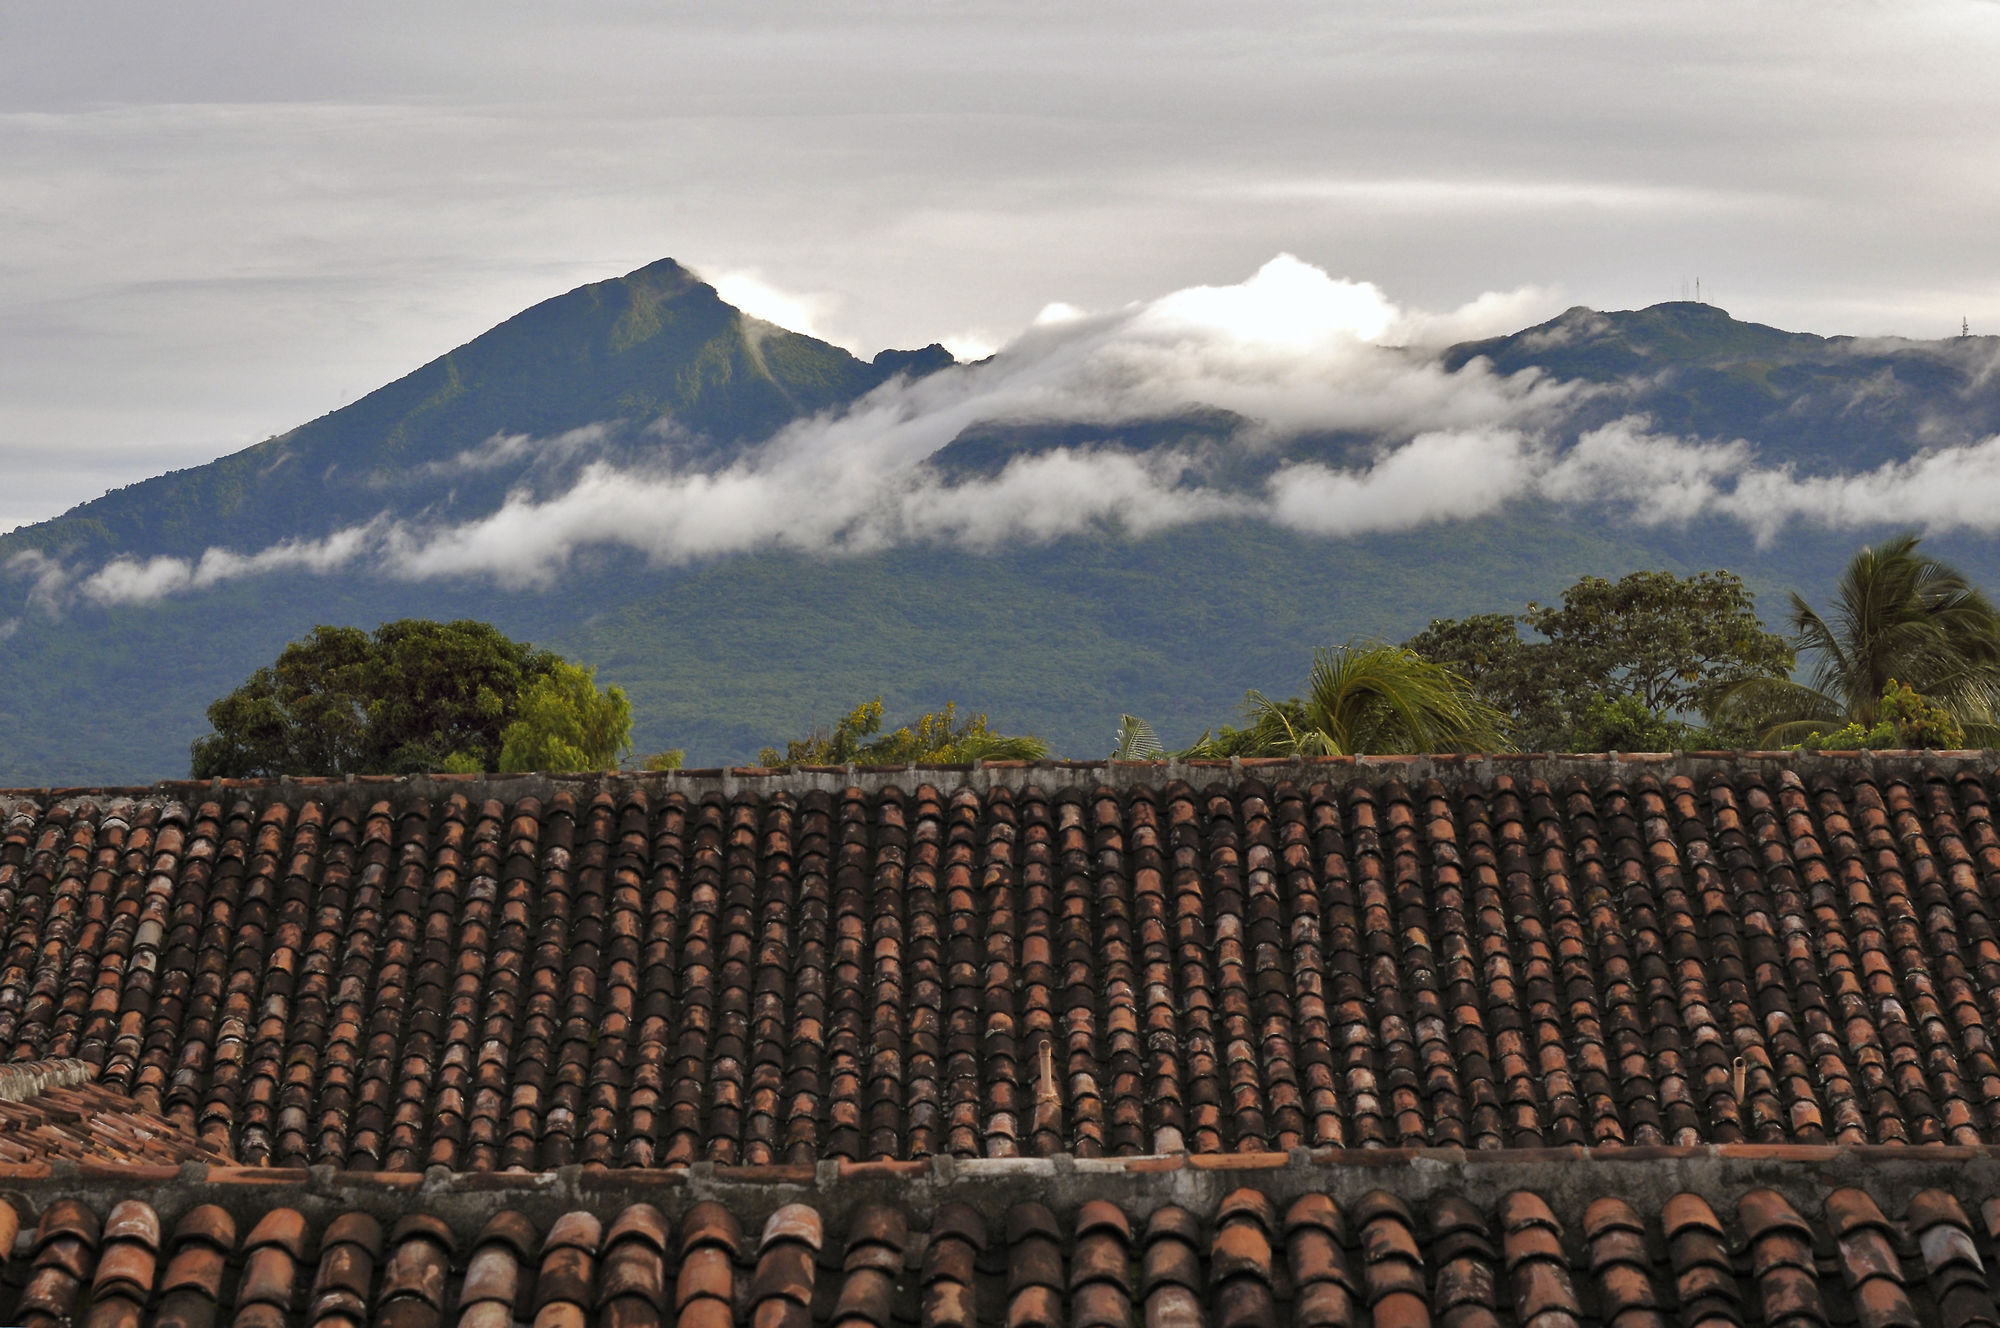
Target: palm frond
1369	697
1135	740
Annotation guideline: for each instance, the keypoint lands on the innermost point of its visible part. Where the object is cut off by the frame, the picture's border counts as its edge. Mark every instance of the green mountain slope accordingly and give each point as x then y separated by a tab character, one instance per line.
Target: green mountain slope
1821	403
656	350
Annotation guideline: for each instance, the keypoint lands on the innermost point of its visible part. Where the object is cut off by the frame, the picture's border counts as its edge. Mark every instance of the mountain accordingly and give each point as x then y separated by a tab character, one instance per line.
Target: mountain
726	653
1820	403
655	353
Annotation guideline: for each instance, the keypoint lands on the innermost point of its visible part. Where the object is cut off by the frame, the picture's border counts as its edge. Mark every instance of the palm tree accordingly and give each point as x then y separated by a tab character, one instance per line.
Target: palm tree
1136	740
1898	616
1368	698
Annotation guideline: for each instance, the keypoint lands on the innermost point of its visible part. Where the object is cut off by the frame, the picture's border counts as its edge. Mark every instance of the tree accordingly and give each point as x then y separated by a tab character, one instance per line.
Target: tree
414	695
1366	698
1626	724
1135	740
1908	720
567	724
935	737
1897	615
1674	645
1505	672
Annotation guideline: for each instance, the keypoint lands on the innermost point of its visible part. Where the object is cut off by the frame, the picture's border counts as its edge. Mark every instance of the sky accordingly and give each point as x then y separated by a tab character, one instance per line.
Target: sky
220	220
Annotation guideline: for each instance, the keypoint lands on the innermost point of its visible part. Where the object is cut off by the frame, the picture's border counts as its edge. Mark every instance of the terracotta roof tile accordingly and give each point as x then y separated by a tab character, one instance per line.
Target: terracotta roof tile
662	971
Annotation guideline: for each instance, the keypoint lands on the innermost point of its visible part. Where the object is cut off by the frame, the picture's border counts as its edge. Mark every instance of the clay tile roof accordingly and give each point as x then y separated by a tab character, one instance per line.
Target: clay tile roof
266	1280
1578	1044
1172	1222
1031	1219
1610	1214
1099	1257
1103	1215
67	1217
197	1267
786	1272
575	1230
282	1227
1929	1208
961	1220
566	1277
513	1230
1252	1204
1075	958
1685	1212
1451	1214
1314	1210
493	1274
357	1229
1764	1212
124	1268
52	1110
134	1221
1170	1263
1823	1261
1378	1204
706	1223
114	1312
1523	1209
1849	1208
801	1223
882	1224
422	1227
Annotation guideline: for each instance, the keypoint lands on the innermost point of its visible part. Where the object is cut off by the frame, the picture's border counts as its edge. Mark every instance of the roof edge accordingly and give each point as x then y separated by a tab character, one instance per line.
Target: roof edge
983	776
1647	1176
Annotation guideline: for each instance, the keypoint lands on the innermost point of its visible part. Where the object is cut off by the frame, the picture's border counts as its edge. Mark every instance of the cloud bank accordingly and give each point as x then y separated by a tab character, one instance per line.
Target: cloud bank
1292	353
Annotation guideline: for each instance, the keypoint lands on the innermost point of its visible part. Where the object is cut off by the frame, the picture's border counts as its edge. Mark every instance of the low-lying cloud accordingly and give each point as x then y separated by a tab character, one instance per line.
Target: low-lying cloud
1292	352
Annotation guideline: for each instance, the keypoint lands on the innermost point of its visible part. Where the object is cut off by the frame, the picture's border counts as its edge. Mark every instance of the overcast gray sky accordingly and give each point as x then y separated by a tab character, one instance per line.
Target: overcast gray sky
220	220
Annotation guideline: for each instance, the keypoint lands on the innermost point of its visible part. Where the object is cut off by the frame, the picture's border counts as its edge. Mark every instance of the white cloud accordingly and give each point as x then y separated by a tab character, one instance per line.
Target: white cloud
1434	477
1288	304
748	290
506	449
48	580
136	581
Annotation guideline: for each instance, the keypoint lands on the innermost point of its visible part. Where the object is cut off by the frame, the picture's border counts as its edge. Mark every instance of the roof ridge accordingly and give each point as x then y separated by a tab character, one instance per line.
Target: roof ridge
986	775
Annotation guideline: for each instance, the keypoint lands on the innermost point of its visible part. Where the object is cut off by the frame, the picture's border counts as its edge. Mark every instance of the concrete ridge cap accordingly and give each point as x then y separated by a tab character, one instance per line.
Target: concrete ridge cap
982	776
926	1170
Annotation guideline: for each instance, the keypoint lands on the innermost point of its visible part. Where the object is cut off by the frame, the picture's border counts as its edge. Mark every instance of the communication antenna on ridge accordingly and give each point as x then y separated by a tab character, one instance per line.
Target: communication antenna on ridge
1697	290
1964	328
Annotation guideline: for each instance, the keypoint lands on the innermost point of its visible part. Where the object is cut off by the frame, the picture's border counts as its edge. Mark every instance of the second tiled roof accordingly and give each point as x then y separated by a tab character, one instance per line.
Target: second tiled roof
790	975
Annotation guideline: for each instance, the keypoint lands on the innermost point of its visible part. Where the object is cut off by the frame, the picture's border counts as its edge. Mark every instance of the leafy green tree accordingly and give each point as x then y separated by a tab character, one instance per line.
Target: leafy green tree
1624	724
1675	645
937	736
1909	720
1897	614
1366	698
568	724
414	695
671	759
